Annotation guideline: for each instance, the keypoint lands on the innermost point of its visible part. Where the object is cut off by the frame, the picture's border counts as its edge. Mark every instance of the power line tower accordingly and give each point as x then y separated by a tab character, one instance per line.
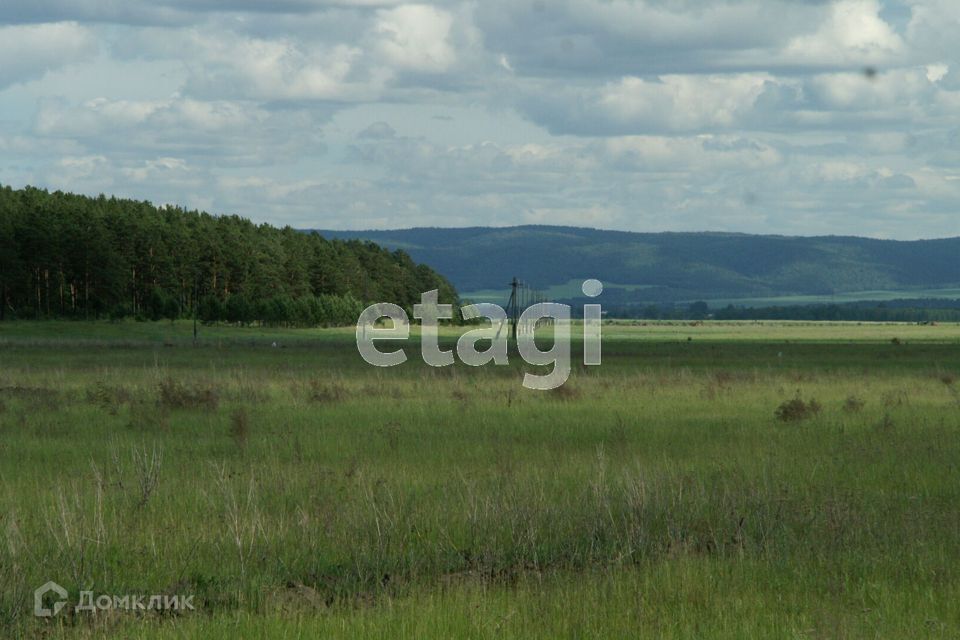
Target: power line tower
513	306
522	297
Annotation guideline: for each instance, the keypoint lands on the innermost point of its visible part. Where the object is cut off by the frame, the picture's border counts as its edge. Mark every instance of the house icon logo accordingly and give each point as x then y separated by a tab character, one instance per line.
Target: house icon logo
40	609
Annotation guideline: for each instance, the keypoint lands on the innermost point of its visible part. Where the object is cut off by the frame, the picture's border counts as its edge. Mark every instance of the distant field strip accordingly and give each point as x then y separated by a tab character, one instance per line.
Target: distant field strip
839	298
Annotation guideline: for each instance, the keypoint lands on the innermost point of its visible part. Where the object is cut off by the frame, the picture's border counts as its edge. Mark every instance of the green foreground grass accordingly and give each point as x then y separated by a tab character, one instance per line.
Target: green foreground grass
297	492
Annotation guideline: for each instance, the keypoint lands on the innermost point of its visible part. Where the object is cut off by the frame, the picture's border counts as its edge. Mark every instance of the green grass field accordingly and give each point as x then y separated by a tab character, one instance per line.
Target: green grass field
295	491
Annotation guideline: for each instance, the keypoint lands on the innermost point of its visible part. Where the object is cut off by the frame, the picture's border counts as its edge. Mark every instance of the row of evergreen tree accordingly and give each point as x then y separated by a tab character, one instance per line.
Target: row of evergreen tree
71	256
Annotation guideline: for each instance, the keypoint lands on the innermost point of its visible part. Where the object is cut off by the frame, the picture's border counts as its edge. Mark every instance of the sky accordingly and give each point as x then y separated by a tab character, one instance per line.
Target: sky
795	117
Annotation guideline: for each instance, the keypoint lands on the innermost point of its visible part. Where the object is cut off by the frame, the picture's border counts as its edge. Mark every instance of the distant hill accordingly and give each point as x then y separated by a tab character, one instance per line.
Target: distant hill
665	267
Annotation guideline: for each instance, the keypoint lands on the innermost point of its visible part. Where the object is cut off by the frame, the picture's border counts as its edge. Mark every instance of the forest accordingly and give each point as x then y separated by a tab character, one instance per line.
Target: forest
71	256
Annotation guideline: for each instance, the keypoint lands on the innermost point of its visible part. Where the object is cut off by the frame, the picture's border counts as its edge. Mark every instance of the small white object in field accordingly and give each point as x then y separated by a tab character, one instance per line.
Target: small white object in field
274	345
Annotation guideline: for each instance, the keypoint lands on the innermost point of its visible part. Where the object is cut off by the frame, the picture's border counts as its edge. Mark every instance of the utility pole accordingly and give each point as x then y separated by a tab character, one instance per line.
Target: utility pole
196	306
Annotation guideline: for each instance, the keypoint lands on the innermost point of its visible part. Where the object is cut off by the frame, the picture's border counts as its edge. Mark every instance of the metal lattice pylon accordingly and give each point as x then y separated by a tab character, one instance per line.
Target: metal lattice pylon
522	297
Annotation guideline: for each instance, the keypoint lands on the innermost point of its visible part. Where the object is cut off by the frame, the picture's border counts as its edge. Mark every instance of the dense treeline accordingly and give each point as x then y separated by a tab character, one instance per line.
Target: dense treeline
71	256
919	310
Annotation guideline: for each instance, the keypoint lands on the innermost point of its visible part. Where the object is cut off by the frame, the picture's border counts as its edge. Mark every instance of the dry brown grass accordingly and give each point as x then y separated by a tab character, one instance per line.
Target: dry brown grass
326	391
178	395
853	404
565	393
240	427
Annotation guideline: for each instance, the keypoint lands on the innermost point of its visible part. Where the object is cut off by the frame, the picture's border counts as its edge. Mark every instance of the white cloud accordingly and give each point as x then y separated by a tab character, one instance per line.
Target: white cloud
415	37
900	87
275	69
936	72
153	169
29	51
853	33
682	102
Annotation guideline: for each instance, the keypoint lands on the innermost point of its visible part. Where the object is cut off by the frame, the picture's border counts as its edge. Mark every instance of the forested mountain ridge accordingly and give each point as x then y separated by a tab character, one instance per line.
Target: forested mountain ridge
65	255
663	267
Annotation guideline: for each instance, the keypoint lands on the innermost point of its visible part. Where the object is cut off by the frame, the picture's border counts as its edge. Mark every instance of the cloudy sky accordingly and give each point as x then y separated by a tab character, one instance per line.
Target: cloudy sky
771	116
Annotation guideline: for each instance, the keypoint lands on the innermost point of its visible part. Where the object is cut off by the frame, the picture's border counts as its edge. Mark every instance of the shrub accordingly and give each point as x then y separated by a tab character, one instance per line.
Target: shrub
797	409
108	397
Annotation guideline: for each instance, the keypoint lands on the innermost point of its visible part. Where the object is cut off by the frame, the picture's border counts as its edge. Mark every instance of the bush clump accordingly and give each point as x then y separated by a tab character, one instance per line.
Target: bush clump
797	409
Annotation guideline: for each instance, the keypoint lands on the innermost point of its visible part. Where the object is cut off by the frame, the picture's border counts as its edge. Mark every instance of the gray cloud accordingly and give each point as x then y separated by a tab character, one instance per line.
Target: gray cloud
166	12
29	51
225	133
746	115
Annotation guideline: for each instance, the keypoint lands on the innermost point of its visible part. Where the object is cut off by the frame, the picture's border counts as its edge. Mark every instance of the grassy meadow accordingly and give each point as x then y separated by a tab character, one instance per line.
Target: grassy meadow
717	480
